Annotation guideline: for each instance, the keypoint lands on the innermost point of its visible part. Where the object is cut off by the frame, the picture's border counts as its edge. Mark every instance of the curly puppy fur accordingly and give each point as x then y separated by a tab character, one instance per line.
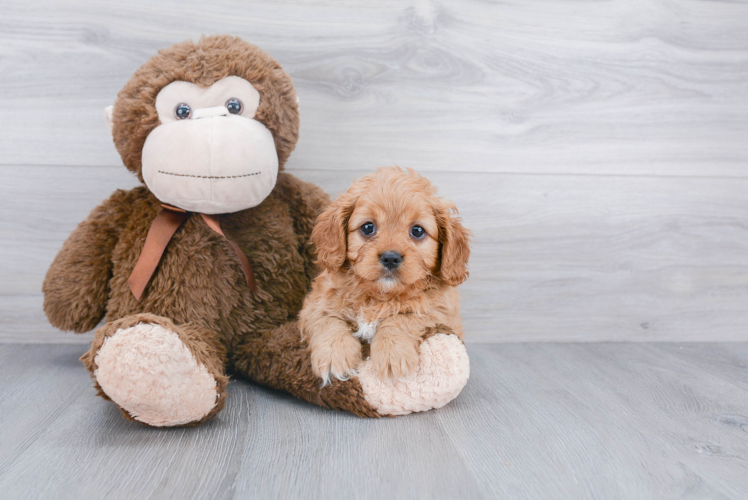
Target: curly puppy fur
358	298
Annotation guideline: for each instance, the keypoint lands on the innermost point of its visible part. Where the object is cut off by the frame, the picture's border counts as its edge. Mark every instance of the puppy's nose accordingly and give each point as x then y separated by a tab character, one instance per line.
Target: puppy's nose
391	260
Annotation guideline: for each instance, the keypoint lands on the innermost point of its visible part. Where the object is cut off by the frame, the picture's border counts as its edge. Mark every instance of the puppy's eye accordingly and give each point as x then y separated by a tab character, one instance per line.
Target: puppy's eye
417	232
368	229
182	111
234	106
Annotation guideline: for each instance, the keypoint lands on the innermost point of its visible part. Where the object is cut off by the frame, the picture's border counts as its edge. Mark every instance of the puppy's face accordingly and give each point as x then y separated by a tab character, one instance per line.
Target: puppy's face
393	233
393	237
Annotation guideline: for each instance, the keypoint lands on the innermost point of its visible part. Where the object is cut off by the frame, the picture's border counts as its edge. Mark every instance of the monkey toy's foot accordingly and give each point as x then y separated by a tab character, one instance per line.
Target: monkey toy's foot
280	359
158	373
442	373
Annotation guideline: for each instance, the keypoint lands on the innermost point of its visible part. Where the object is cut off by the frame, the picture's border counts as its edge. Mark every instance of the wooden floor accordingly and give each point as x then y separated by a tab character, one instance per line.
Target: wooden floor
606	420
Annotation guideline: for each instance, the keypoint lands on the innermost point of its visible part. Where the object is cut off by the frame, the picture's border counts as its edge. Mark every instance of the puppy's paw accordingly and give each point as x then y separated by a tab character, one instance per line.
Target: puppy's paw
338	359
394	357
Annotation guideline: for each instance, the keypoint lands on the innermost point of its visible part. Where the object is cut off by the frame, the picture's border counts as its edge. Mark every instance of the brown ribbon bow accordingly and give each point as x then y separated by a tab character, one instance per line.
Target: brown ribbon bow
162	229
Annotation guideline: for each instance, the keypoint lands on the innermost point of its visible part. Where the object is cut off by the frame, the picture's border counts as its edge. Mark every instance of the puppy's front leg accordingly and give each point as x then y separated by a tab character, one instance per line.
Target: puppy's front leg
334	349
394	350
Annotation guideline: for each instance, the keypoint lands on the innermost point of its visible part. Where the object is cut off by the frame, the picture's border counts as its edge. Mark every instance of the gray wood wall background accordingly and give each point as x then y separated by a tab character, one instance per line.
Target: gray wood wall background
597	149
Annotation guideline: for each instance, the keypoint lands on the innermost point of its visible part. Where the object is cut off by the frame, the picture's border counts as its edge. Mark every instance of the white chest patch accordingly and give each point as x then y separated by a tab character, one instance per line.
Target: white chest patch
366	330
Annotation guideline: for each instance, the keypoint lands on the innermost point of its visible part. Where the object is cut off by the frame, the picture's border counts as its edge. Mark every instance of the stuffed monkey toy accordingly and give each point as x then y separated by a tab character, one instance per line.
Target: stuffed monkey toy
202	270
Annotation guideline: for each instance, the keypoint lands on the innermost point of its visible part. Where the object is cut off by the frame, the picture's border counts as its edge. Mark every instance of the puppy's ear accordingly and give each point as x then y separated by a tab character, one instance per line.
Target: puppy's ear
330	234
454	245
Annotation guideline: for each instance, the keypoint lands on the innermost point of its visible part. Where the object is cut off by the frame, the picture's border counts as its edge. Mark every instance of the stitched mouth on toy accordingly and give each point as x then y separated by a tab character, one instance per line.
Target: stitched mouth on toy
209	176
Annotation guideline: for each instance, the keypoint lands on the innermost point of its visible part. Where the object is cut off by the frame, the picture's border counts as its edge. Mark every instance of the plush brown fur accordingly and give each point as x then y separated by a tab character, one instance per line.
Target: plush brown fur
199	290
279	360
204	63
355	287
199	278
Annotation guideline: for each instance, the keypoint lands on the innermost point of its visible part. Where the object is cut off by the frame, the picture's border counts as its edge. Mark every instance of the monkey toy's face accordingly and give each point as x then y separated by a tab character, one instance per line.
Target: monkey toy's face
209	154
207	125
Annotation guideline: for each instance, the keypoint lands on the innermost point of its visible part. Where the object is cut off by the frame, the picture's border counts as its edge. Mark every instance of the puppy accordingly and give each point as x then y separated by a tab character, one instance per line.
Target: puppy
392	254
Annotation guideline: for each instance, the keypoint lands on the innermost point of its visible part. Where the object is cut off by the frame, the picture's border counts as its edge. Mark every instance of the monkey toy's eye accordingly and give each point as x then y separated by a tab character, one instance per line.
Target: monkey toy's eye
368	229
234	106
182	111
417	232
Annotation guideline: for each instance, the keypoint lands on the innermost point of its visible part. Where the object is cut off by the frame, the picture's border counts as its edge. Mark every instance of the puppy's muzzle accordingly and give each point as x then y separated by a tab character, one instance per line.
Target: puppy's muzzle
391	260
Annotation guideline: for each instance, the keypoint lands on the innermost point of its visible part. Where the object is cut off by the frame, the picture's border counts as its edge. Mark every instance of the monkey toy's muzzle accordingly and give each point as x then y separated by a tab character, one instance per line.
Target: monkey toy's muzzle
213	163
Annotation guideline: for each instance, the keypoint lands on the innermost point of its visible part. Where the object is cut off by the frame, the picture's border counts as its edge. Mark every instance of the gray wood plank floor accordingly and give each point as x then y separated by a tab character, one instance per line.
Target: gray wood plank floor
605	420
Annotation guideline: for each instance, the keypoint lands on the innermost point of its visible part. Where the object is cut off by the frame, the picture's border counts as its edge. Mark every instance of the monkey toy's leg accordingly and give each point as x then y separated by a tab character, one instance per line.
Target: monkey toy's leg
159	373
279	359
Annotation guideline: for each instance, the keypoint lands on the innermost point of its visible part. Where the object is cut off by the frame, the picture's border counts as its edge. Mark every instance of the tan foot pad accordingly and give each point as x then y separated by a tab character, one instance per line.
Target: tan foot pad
443	372
147	370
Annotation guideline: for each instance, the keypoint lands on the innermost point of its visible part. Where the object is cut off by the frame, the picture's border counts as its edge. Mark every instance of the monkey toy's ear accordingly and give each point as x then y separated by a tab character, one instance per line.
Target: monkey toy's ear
108	115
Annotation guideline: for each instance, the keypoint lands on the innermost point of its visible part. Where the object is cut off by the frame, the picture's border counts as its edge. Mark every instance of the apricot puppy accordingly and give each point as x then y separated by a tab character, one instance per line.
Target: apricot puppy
392	253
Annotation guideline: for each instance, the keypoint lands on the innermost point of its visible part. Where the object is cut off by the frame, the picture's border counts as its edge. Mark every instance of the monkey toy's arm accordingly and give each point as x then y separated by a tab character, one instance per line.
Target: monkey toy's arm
307	201
76	286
